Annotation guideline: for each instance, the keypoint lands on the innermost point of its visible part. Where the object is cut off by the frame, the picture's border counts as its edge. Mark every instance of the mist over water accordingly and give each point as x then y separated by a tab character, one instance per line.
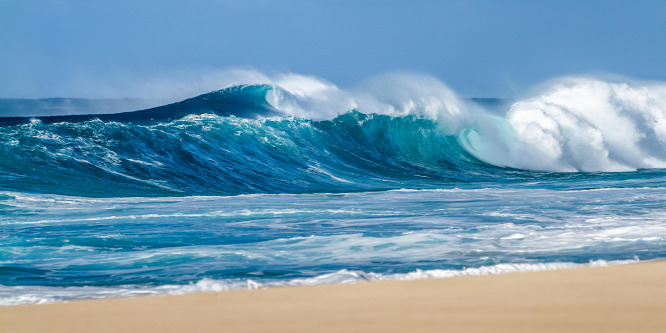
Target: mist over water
290	179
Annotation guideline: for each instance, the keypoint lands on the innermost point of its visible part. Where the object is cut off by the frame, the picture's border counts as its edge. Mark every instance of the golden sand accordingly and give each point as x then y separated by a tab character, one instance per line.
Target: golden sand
625	298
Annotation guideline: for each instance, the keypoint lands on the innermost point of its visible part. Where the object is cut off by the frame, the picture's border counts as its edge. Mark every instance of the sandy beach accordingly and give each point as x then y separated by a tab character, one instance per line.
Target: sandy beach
624	298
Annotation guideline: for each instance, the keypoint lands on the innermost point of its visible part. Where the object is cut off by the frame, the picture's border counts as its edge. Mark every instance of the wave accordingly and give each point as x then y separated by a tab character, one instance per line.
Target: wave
206	154
300	134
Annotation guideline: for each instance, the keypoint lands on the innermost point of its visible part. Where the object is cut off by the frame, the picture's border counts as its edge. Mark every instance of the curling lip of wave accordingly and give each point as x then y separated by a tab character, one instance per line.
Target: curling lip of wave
578	124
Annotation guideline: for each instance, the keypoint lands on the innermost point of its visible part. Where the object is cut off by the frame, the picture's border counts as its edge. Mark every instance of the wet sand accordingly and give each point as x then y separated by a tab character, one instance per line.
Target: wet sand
624	298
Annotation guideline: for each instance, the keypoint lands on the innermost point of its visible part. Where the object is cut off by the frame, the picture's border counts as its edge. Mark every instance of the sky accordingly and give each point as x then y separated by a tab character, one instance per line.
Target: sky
121	48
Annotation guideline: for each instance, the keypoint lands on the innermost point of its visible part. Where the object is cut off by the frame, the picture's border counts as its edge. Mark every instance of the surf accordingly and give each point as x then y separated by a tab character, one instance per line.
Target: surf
293	180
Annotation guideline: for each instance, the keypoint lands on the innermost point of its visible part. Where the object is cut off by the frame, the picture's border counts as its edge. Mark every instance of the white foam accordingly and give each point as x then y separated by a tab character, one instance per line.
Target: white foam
395	94
582	124
41	294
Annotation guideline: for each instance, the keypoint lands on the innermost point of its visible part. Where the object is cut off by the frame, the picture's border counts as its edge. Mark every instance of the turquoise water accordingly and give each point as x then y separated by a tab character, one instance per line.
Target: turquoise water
262	185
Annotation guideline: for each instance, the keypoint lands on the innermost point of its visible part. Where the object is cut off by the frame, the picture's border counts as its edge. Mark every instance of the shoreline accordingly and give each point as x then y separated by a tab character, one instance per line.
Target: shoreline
51	295
617	298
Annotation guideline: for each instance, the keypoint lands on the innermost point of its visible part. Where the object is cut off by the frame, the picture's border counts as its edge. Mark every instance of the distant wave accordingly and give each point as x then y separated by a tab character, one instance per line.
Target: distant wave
300	134
43	107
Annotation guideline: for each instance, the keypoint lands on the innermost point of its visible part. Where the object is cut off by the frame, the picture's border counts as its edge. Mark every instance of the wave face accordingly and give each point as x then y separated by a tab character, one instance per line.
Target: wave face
227	150
206	154
294	180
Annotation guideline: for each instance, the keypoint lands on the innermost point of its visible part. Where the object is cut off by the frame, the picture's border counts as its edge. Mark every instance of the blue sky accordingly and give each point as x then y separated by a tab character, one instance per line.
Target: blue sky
80	48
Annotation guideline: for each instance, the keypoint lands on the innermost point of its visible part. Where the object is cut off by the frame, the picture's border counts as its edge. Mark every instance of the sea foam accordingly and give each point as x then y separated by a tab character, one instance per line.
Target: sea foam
581	124
43	295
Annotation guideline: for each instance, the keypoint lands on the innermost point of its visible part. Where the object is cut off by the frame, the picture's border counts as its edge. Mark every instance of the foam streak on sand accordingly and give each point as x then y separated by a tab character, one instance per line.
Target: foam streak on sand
623	298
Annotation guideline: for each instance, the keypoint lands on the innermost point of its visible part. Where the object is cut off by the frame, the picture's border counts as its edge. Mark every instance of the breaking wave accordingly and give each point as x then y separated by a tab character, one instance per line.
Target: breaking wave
297	134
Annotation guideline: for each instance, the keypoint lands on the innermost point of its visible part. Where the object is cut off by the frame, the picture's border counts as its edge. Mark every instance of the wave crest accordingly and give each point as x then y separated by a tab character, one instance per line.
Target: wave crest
395	94
582	124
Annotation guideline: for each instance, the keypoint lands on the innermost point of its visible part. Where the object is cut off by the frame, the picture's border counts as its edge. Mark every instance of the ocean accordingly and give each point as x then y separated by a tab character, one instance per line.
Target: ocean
299	182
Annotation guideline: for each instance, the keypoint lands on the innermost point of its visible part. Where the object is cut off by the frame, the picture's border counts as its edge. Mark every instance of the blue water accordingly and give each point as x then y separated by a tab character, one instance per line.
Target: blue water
271	184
